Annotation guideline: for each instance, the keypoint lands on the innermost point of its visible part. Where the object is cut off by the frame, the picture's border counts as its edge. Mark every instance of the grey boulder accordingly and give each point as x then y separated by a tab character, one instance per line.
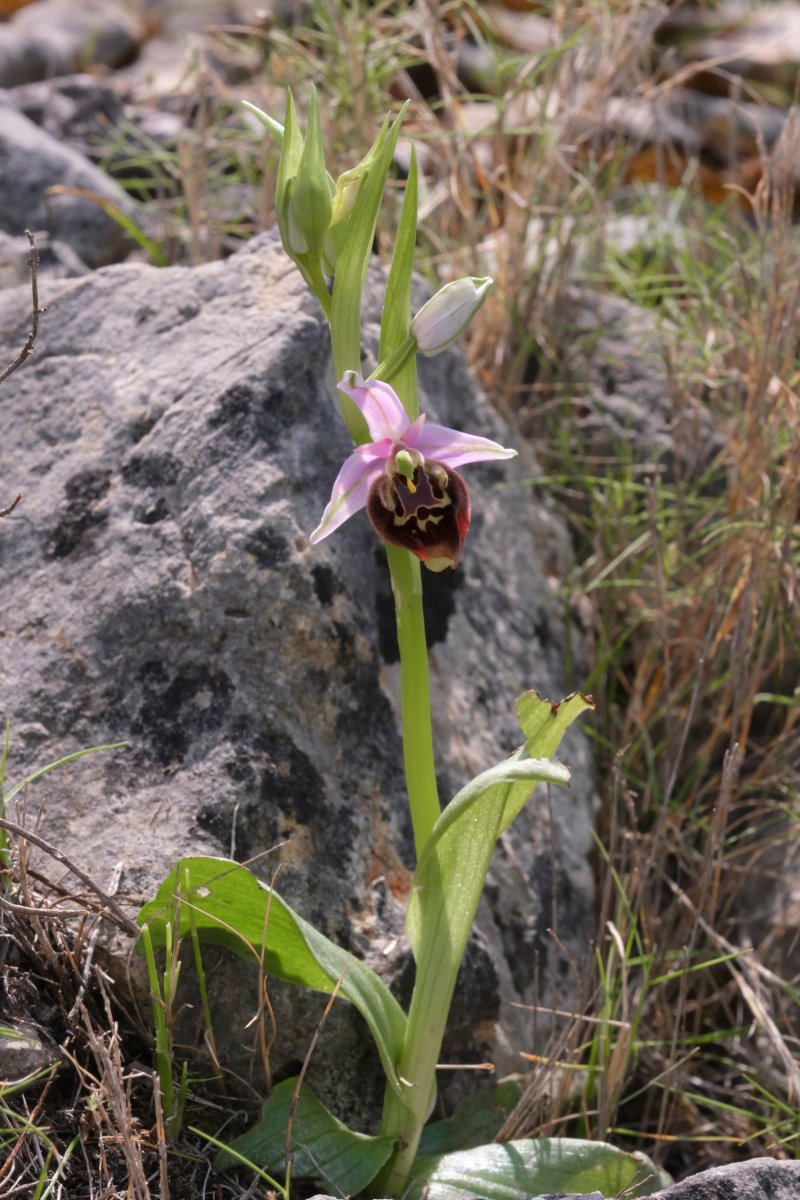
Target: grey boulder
31	163
758	1179
59	37
78	110
176	438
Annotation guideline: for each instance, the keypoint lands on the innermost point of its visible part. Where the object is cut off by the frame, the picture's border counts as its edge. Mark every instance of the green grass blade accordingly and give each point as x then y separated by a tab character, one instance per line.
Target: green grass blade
59	762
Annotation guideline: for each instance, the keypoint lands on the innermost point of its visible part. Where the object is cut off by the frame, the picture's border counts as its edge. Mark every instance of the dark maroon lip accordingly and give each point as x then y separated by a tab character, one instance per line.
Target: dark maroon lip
428	515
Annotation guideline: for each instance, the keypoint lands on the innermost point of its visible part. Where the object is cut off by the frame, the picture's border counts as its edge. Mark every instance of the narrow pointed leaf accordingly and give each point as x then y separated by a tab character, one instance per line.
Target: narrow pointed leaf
396	317
351	273
545	723
342	1162
232	908
452	868
533	1167
274	127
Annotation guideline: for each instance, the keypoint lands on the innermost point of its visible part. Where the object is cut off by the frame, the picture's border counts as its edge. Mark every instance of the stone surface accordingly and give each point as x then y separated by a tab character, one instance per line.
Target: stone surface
23	1051
56	259
31	162
176	439
755	42
76	109
621	399
758	1179
59	37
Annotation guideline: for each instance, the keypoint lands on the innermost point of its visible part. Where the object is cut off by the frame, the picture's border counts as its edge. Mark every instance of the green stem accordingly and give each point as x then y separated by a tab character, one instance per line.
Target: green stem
311	270
423	797
390	366
405	1118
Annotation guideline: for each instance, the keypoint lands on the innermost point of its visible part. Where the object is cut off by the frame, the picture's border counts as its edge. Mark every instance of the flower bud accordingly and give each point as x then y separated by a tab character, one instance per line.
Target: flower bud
310	200
439	322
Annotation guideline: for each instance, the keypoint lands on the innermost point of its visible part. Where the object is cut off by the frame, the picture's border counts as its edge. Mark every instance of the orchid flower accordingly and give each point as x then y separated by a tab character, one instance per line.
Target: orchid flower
405	477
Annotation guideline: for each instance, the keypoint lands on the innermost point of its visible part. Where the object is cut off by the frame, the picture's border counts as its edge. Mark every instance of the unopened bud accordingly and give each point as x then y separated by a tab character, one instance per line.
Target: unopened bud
310	199
439	322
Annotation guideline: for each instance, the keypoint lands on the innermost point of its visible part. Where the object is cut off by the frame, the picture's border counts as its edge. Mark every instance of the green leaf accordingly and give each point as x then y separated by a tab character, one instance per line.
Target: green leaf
234	909
532	1167
351	272
453	866
269	123
476	1119
291	150
396	316
545	723
322	1148
445	891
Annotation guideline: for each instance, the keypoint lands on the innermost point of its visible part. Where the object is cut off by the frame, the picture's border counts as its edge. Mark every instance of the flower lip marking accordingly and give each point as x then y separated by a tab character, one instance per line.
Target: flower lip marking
405	477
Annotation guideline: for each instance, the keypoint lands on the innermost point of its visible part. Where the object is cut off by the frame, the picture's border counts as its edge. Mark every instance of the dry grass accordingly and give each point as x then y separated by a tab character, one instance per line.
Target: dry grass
85	1120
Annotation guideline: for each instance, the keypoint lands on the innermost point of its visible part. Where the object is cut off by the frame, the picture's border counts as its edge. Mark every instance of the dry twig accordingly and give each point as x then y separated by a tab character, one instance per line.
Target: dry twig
27	349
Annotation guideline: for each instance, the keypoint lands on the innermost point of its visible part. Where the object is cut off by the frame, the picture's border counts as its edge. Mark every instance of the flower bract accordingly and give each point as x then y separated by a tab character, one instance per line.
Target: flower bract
406	478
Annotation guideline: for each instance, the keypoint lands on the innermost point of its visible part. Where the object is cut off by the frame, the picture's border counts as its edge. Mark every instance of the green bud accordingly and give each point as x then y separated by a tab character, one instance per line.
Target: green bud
348	185
291	152
310	199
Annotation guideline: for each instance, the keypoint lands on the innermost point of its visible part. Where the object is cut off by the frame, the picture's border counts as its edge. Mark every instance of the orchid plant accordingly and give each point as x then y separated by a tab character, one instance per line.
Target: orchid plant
404	471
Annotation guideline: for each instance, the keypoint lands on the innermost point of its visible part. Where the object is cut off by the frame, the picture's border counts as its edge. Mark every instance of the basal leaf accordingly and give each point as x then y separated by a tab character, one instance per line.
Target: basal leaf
322	1148
532	1167
476	1119
229	906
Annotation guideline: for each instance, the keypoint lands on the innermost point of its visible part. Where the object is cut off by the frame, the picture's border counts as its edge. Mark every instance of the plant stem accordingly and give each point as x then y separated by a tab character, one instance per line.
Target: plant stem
427	1018
423	797
420	771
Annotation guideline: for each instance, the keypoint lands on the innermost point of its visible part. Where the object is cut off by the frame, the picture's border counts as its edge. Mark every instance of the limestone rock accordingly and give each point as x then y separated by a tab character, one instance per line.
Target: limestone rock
621	397
76	109
31	162
58	37
758	1179
176	438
